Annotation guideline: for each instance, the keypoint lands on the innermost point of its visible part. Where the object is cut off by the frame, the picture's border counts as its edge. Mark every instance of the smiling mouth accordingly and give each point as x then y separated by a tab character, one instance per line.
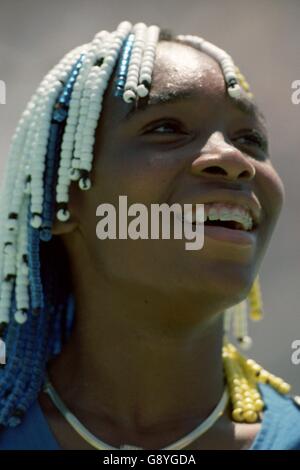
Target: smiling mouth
224	215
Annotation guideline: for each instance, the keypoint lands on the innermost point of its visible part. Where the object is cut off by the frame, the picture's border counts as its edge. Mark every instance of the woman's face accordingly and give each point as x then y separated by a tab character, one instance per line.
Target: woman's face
188	142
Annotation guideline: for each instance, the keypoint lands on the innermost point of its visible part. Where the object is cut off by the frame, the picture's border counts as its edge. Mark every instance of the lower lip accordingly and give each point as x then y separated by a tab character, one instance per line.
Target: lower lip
237	237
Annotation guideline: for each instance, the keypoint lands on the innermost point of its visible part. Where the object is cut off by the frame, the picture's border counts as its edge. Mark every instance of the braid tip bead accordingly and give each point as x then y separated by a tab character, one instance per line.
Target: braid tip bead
45	234
20	317
142	91
36	221
129	96
85	184
63	215
245	342
296	400
256	315
234	91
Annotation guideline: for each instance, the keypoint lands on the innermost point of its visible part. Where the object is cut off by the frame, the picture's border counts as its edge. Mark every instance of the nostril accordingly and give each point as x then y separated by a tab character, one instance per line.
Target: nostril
245	174
214	170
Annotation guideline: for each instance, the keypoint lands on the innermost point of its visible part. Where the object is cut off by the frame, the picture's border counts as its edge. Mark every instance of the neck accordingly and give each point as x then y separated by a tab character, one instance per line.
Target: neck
136	371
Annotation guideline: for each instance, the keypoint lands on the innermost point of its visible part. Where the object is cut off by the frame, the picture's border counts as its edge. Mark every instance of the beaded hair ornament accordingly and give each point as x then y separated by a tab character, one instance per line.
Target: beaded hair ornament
51	148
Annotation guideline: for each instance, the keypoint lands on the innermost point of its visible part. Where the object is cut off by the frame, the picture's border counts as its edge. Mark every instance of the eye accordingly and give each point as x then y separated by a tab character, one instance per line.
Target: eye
165	127
253	138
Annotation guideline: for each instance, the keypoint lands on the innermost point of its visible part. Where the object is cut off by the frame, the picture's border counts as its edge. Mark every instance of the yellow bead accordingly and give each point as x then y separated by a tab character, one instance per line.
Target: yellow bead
263	376
245	387
237	415
259	405
256	315
249	407
248	400
284	387
255	395
231	348
275	381
250	416
238	404
237	397
256	369
250	362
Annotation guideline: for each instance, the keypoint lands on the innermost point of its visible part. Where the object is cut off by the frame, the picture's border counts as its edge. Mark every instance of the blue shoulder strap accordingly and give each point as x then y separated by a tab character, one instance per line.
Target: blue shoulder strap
280	429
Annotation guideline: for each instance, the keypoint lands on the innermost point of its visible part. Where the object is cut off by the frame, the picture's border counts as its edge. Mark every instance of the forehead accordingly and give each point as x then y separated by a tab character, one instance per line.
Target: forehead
182	67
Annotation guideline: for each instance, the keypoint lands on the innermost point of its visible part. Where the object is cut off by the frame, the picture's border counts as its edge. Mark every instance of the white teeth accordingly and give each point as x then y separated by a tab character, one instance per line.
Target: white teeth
227	213
213	214
220	211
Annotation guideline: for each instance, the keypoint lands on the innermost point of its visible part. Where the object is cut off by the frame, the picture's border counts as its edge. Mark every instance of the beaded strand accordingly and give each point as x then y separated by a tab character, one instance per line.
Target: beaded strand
132	78
147	65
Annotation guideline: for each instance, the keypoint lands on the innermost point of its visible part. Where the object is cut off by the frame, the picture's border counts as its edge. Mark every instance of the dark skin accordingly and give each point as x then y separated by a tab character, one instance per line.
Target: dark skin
144	365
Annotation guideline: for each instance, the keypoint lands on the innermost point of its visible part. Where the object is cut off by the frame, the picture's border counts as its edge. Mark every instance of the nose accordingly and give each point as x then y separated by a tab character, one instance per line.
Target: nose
219	158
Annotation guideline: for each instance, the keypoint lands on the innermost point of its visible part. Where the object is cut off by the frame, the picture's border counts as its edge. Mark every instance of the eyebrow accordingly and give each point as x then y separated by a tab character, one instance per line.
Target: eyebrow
244	104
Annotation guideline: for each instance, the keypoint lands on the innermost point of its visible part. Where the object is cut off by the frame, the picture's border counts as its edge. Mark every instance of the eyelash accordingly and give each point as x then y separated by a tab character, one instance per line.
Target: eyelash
170	124
254	137
251	137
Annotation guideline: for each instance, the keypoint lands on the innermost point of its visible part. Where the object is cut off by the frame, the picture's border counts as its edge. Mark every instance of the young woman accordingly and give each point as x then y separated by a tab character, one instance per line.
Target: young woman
119	342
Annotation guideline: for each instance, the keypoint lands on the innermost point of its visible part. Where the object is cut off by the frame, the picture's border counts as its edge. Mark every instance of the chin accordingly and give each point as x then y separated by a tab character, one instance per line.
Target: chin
228	282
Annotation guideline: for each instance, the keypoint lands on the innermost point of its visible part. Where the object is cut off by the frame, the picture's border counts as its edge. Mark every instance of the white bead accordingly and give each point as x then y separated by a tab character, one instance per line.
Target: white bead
62	195
131	84
36	221
235	91
85	184
63	215
129	96
142	91
230	76
20	317
148	69
246	343
25	269
145	78
86	165
228	69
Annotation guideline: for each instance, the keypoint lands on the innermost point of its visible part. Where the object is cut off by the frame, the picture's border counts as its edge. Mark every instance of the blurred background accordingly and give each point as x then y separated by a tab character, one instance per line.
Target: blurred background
263	36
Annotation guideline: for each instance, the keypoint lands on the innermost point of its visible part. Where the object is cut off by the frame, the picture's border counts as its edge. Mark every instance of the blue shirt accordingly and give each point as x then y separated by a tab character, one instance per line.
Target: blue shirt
280	428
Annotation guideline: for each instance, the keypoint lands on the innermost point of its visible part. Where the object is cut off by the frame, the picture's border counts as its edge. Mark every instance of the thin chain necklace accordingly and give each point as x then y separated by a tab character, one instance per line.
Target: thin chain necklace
100	445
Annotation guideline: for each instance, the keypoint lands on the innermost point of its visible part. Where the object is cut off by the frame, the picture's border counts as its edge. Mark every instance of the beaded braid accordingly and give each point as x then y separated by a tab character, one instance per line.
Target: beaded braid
51	148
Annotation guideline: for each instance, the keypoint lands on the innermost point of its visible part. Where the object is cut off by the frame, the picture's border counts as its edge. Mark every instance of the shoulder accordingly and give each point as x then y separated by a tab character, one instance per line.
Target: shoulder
31	434
280	428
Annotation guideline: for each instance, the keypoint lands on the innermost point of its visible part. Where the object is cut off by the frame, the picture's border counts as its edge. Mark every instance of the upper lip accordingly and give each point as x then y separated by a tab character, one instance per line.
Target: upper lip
245	199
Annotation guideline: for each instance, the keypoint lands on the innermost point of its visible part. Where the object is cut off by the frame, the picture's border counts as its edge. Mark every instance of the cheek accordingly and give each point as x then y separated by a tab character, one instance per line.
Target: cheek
144	175
270	189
